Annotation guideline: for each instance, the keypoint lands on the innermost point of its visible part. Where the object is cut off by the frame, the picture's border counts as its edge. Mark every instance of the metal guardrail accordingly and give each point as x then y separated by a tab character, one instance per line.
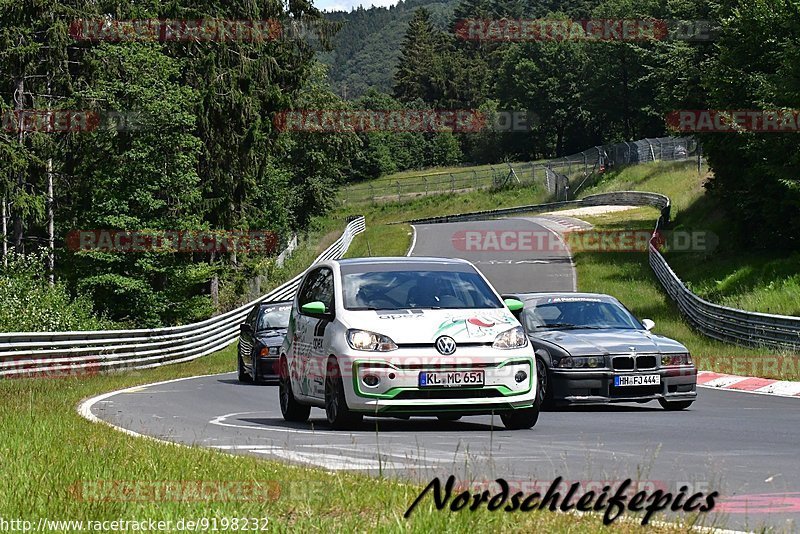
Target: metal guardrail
713	320
85	352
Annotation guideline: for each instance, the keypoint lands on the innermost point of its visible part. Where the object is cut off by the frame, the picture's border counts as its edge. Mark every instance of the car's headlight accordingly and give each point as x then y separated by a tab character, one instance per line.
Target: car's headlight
580	362
511	339
269	351
363	340
669	360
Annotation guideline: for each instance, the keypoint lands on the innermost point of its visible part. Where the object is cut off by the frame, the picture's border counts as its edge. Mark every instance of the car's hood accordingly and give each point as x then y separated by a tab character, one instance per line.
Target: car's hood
271	338
425	326
609	341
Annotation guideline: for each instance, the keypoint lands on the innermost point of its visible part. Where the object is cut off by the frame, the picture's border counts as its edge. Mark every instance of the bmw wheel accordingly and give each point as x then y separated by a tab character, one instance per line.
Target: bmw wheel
339	415
544	393
290	409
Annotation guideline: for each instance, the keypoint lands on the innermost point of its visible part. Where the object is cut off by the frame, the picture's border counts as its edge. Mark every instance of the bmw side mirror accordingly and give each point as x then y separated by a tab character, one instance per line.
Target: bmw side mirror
313	308
244	328
648	324
513	305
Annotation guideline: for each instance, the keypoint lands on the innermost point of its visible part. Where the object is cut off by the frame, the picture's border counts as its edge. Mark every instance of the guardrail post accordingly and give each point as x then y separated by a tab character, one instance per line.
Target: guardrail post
425	181
475	178
452	183
399	196
372	193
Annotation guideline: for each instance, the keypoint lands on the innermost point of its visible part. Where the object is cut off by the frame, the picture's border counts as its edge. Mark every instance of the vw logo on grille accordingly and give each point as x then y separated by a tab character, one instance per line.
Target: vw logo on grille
446	345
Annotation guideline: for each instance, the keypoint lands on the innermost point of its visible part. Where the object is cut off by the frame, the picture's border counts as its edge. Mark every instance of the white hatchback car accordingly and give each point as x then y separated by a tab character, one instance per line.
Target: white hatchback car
402	337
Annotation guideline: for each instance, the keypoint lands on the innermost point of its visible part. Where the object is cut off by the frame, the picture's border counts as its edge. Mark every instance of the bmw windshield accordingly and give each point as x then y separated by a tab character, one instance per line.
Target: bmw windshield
416	289
584	313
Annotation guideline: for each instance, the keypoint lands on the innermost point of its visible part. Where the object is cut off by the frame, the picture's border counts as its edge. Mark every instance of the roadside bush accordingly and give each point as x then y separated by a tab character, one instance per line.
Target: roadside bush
30	304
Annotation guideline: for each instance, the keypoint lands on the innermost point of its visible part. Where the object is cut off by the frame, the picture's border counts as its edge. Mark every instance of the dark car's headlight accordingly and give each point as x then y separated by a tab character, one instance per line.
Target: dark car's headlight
580	362
674	360
364	340
511	339
269	351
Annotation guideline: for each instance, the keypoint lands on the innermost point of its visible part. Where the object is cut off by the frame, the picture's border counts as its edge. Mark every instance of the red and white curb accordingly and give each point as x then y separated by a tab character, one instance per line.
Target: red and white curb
748	384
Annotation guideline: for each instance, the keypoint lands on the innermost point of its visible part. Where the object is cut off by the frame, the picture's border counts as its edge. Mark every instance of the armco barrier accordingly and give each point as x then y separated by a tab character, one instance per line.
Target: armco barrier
54	353
716	321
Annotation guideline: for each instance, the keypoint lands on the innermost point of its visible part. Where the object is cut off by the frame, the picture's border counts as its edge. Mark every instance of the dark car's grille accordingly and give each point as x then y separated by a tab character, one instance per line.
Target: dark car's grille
647	361
464	393
622	363
626	363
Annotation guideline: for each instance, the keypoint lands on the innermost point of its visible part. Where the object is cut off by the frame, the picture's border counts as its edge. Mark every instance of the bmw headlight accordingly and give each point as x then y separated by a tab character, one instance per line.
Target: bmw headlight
364	340
675	359
511	339
580	362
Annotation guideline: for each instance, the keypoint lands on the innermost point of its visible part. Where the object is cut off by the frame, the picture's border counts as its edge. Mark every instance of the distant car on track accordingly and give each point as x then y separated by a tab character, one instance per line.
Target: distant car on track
260	338
405	337
591	349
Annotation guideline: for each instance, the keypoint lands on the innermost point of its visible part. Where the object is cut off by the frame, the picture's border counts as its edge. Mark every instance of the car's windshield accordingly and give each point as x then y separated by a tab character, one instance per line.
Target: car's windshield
573	313
416	289
273	317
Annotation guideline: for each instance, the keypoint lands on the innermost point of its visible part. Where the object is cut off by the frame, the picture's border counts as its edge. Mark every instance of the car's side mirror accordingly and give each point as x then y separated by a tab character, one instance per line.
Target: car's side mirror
315	308
244	328
513	305
648	324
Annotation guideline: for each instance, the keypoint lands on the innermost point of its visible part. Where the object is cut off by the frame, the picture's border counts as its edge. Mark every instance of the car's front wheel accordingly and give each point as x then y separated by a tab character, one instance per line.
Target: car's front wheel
339	415
520	419
675	405
290	409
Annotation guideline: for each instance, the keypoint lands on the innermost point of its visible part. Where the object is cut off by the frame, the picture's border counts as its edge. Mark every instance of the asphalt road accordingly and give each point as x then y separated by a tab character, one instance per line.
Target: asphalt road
745	446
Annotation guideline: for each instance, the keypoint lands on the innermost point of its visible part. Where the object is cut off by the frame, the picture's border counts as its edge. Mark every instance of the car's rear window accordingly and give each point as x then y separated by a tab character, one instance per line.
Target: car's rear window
387	289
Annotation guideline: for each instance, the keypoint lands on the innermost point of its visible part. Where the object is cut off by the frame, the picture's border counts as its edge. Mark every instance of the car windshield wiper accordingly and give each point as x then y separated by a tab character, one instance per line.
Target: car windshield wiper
270	328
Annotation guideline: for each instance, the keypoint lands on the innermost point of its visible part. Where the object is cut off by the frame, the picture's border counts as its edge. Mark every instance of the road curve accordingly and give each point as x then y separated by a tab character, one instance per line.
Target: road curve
744	446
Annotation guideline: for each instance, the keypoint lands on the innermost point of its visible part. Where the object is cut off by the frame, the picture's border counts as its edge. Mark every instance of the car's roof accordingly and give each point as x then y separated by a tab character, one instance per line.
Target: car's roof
528	297
417	260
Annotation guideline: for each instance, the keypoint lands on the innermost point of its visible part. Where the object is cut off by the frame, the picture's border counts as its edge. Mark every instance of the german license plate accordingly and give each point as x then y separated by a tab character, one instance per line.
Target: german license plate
637	380
451	378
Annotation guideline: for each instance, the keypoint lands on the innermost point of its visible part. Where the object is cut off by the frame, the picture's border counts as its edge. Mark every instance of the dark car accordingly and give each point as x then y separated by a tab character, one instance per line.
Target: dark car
590	349
260	339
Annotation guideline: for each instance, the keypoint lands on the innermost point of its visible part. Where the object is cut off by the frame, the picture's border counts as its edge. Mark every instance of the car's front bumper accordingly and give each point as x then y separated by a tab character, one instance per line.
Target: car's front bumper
399	391
573	386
